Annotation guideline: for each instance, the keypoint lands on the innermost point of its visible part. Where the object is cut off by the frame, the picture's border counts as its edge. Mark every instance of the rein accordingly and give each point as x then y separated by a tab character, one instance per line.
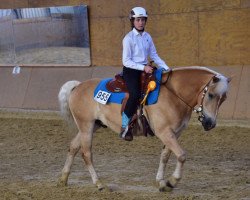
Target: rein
200	107
177	95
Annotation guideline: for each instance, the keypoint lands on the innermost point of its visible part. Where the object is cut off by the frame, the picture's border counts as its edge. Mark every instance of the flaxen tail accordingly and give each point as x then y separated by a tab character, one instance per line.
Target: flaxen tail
63	98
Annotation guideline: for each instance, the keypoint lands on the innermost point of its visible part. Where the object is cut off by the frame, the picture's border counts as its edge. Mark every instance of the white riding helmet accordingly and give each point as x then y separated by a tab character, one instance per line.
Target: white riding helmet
138	12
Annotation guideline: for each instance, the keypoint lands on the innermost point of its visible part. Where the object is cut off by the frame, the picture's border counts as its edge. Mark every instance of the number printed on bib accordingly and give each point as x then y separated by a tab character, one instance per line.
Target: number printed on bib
102	97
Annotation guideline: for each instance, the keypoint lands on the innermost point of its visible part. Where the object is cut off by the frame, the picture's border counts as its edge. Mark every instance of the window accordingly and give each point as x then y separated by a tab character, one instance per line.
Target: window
54	36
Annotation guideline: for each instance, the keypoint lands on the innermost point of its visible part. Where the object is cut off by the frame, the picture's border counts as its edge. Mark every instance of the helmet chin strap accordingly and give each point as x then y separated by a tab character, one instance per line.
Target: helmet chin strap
139	30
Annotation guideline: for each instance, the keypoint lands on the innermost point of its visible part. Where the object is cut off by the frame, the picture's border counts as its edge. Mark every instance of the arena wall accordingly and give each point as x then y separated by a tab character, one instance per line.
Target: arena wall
214	33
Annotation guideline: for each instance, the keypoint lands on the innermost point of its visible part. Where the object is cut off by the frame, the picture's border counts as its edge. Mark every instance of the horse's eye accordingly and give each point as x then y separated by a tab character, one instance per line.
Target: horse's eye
210	96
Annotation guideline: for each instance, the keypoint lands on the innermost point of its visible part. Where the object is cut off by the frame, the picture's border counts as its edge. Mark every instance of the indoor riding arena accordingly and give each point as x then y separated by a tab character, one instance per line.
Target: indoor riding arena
44	44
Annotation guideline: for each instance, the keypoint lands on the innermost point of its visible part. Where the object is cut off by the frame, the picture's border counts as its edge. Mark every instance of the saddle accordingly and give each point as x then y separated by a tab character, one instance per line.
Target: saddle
139	124
118	84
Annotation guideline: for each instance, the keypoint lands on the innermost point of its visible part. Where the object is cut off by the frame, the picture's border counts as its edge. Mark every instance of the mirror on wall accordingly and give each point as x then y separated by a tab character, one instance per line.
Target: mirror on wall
45	36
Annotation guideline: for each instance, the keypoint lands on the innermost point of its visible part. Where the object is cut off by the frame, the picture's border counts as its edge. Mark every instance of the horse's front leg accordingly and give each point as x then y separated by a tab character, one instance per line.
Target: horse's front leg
165	154
176	176
170	140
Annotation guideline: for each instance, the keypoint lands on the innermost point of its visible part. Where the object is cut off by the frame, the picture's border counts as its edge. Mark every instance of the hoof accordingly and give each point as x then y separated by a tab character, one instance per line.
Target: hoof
165	189
164	186
101	187
61	183
105	189
172	181
63	180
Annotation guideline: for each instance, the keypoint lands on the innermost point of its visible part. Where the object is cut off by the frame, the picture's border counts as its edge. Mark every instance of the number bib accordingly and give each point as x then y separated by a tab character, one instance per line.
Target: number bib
102	97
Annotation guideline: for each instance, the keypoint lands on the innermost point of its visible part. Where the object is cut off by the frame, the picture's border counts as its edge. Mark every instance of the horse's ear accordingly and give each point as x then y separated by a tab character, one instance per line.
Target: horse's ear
216	79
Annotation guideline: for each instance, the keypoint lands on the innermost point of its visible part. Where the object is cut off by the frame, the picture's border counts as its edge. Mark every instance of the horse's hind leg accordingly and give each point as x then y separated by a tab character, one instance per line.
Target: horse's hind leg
74	148
86	151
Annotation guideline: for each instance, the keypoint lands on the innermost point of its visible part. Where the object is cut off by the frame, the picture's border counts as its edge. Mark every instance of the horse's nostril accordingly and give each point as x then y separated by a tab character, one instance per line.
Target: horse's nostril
208	124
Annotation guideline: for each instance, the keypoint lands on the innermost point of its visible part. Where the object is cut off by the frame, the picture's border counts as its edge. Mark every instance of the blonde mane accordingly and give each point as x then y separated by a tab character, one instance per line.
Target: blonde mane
222	86
197	68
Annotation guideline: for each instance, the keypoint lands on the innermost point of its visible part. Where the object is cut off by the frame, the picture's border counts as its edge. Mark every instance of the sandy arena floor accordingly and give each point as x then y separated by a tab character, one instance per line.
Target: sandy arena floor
33	151
48	56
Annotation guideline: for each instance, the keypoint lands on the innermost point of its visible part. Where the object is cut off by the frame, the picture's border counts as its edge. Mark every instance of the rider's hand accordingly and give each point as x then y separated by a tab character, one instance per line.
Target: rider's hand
148	69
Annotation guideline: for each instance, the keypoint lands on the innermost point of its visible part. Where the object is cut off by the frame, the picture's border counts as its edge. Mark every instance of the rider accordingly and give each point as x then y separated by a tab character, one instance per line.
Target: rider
137	47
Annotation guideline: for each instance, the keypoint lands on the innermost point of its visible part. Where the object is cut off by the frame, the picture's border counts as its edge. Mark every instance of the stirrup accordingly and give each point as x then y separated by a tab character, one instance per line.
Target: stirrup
123	132
126	134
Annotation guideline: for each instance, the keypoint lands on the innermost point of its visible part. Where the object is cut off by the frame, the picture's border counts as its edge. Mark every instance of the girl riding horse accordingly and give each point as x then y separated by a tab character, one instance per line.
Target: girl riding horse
137	47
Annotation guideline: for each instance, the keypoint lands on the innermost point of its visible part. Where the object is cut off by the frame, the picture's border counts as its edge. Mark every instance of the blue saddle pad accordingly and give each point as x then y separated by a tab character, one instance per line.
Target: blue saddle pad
117	97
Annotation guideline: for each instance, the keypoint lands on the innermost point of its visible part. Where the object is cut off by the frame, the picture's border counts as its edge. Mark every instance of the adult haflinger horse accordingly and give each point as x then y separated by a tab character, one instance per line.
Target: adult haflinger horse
180	92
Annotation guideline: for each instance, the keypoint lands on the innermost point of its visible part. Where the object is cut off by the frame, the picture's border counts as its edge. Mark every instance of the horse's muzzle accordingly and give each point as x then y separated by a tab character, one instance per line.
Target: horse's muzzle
208	123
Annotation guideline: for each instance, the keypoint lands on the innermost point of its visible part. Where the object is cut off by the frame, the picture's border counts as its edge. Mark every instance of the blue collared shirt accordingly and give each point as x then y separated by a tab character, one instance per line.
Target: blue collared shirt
136	50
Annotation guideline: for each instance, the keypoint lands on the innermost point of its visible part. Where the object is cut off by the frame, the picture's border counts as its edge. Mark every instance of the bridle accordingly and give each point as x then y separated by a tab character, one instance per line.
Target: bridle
199	109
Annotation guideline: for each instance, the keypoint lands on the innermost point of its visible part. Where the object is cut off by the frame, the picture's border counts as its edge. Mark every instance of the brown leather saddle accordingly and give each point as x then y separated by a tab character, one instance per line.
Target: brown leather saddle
118	85
139	124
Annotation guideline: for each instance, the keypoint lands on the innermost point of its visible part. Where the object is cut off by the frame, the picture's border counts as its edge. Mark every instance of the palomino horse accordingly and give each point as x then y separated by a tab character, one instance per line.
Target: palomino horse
180	92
